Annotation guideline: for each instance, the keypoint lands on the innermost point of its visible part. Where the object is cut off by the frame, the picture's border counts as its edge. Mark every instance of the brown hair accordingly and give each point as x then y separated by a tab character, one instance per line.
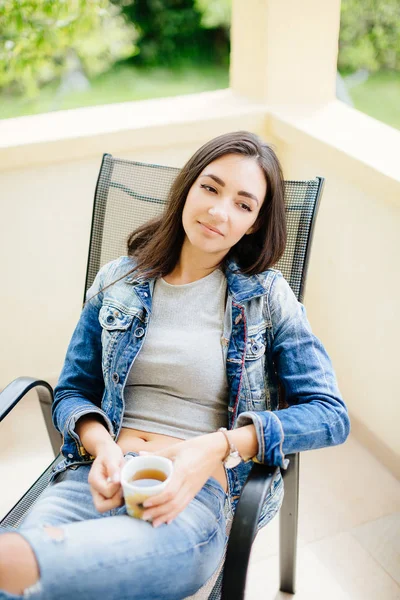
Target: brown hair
157	245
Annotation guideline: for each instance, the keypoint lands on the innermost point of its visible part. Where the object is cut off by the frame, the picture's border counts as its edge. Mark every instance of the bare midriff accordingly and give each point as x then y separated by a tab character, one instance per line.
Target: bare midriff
133	440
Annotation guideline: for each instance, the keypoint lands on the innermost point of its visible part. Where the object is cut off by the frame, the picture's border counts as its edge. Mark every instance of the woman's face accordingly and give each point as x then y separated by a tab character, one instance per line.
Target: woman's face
223	204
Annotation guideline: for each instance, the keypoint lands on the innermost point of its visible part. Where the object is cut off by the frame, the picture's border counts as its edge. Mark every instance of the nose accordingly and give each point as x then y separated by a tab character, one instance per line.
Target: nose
218	212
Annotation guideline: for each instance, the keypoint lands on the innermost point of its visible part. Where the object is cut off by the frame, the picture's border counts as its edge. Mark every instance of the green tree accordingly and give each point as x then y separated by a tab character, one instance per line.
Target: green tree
369	35
174	32
39	37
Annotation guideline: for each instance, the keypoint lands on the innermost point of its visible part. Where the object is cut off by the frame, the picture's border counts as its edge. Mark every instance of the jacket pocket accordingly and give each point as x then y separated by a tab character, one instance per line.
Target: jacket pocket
114	323
255	380
255	347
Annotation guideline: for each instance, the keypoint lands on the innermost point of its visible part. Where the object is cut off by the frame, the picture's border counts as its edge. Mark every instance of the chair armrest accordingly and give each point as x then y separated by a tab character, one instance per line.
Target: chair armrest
17	389
244	529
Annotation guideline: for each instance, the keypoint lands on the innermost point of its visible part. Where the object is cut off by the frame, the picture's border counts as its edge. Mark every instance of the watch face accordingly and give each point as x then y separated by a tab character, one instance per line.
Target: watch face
232	461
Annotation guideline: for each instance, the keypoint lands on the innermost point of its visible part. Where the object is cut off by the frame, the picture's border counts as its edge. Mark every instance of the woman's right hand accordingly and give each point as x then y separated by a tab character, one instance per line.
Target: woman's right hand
104	477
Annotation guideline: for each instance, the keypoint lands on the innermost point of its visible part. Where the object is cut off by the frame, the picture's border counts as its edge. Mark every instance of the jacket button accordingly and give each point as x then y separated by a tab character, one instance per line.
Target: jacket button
255	347
115	377
70	456
139	332
110	319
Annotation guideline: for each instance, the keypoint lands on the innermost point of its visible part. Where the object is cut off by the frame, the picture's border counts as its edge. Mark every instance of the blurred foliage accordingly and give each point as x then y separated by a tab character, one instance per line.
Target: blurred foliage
178	32
40	40
369	35
43	41
215	13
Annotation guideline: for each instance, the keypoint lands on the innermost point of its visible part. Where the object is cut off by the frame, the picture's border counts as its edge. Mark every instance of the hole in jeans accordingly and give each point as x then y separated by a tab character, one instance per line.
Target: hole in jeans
55	533
35	588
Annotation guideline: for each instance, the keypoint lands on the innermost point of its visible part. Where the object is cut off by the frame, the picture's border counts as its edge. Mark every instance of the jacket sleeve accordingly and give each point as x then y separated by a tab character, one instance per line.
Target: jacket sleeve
316	416
80	387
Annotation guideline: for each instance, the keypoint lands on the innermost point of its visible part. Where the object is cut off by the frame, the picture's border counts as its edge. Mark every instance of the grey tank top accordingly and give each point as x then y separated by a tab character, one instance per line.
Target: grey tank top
177	384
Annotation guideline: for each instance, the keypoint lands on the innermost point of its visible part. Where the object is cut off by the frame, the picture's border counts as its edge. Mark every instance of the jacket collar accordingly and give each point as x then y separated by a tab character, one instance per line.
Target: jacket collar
241	287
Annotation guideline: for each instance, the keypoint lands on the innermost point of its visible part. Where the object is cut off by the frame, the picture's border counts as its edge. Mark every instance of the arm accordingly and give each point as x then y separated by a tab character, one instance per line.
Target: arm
244	438
195	460
317	416
104	475
80	387
93	434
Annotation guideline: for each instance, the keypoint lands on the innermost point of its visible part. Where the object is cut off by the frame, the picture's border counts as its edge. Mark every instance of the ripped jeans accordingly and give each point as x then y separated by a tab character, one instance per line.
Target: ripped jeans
114	556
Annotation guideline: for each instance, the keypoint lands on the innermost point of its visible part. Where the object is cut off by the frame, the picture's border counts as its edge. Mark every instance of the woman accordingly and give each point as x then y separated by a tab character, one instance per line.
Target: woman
187	335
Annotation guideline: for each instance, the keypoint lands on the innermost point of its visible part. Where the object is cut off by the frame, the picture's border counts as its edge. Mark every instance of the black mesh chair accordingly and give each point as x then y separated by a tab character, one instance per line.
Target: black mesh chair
127	195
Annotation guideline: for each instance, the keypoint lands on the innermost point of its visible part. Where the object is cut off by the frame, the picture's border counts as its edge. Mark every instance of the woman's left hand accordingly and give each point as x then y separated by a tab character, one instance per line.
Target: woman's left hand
195	461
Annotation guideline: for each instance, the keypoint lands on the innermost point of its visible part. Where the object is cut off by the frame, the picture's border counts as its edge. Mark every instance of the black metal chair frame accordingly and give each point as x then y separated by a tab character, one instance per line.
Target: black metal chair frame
244	526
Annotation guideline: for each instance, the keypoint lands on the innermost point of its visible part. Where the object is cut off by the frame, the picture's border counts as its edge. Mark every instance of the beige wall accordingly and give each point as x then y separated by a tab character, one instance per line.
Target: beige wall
353	290
285	52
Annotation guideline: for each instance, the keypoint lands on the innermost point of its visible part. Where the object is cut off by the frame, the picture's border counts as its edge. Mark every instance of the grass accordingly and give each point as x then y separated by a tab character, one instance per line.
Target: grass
122	83
379	97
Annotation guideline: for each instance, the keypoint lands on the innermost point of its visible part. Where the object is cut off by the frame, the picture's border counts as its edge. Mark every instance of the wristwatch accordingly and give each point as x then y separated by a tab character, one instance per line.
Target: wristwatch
233	458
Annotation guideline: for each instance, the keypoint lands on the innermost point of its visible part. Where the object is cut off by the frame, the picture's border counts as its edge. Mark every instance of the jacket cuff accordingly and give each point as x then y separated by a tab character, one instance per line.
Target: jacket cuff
70	426
270	437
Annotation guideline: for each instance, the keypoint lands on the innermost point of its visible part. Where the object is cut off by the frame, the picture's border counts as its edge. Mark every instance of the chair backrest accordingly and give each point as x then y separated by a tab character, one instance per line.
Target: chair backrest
130	193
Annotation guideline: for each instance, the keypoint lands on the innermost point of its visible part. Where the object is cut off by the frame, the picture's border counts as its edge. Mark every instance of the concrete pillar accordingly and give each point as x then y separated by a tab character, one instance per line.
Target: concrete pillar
285	51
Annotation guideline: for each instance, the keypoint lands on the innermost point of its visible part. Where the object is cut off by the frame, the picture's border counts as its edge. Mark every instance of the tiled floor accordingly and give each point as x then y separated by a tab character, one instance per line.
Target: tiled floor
349	526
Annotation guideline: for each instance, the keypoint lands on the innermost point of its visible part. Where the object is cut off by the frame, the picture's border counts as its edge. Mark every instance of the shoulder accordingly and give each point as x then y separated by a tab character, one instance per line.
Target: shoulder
280	302
109	273
269	278
278	285
115	268
273	283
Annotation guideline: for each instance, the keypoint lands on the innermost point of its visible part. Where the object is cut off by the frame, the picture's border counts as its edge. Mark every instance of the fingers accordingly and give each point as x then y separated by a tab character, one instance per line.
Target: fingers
105	488
106	493
105	478
170	508
103	504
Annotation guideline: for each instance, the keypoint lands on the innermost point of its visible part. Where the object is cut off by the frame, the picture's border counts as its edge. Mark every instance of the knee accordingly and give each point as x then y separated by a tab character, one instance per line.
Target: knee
18	565
55	533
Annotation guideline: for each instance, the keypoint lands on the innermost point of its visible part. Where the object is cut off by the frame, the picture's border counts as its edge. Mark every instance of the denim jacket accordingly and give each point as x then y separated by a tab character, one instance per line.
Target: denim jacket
266	340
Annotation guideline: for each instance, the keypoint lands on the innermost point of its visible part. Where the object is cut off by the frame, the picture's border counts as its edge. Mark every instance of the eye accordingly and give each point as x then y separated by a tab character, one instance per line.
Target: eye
245	206
209	188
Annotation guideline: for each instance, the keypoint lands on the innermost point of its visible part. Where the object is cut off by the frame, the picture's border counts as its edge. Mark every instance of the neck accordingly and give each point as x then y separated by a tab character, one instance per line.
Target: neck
192	265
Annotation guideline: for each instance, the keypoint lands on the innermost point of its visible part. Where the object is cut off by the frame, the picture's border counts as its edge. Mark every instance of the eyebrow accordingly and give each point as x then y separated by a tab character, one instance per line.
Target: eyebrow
222	183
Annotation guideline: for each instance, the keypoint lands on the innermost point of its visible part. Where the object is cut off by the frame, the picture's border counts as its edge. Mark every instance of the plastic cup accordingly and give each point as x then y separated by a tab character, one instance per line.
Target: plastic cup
136	491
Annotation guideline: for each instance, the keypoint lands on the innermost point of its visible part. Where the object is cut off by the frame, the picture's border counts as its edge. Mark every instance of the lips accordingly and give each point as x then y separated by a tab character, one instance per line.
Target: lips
211	228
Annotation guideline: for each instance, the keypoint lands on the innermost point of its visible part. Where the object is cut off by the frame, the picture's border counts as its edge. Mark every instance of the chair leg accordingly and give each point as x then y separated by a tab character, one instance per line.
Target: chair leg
288	519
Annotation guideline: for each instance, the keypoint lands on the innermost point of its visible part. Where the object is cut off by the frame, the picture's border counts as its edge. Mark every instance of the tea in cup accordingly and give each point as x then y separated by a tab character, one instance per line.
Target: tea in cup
142	477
